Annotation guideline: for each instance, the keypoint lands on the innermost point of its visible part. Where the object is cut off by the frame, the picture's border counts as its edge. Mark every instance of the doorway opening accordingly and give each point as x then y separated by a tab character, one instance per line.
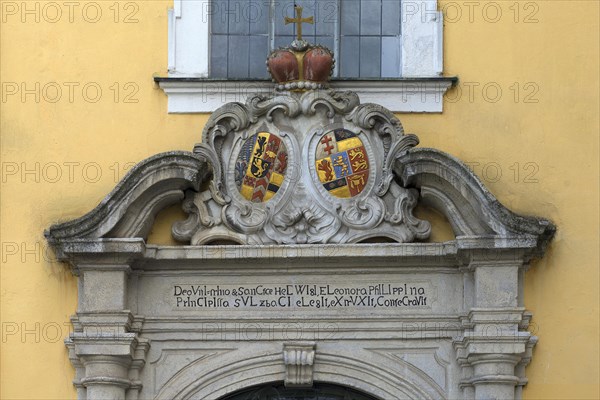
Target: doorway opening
319	391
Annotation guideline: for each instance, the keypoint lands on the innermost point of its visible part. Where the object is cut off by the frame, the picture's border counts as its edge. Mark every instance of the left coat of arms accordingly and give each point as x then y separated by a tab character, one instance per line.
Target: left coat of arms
260	167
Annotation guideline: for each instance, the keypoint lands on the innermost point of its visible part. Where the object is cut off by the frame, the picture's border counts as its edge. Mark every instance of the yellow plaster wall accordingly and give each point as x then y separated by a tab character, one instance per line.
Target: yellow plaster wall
552	143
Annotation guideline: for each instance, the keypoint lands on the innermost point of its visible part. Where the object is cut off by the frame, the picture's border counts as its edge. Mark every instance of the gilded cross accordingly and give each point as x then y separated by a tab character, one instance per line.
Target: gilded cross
298	20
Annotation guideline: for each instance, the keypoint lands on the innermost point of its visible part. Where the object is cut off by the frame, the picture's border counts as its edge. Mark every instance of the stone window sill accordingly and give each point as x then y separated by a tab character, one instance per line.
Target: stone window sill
403	95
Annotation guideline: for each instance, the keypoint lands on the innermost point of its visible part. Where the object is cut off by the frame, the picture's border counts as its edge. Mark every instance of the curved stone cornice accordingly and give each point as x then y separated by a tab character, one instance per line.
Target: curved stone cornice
451	187
129	210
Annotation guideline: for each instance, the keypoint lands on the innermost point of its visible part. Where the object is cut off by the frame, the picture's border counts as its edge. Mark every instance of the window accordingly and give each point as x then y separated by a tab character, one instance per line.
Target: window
388	51
363	34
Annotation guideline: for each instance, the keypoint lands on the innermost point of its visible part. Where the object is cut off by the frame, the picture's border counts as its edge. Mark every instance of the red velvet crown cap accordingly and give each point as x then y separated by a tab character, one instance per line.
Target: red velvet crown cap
318	63
301	66
283	66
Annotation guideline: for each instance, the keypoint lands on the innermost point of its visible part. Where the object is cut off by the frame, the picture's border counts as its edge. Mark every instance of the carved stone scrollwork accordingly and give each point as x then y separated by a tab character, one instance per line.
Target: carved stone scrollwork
230	117
184	230
405	200
313	167
245	218
197	205
299	360
334	102
364	213
382	121
200	216
398	148
259	106
216	183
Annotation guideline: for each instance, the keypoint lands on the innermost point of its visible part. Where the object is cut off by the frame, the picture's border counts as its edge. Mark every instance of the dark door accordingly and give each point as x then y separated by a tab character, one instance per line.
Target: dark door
320	391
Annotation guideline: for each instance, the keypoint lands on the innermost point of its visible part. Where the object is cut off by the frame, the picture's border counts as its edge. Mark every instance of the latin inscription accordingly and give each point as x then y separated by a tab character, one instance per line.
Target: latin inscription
302	296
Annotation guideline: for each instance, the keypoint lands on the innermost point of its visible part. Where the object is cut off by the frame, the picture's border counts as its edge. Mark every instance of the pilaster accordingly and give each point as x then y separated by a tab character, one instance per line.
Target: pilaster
105	347
495	347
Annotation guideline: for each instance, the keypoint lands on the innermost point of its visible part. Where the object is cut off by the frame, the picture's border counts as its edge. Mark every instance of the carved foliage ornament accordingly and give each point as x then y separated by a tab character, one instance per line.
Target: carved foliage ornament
312	167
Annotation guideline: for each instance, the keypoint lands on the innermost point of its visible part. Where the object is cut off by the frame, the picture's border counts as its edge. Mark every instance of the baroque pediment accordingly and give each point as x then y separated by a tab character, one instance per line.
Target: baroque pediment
305	167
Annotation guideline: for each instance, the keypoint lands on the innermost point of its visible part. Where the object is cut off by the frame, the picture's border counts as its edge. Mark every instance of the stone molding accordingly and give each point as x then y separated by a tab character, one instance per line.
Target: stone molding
129	210
408	95
371	372
448	185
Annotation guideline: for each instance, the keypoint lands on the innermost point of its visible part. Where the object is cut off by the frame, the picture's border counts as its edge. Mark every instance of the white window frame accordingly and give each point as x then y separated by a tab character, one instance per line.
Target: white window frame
420	88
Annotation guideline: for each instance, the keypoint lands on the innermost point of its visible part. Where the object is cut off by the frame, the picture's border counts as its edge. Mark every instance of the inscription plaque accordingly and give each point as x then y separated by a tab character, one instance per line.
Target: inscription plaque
302	296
